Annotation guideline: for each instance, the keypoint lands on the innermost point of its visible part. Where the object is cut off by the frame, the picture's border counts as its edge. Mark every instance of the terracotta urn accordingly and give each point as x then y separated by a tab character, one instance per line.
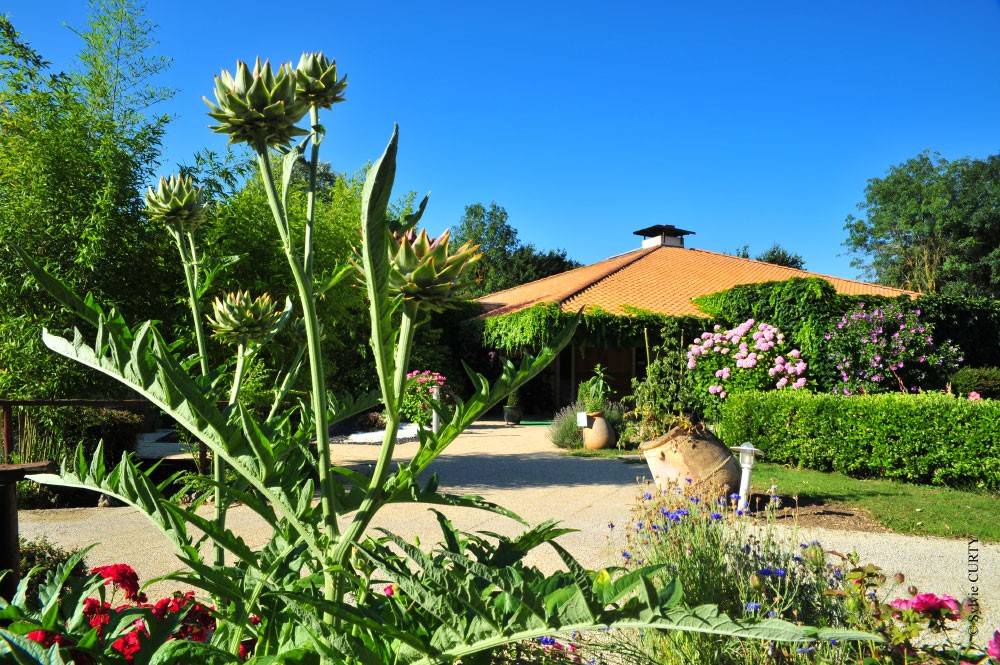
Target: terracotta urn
598	433
695	454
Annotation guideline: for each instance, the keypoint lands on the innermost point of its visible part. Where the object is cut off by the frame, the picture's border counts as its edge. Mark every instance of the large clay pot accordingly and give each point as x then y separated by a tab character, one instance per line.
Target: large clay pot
692	453
512	415
598	433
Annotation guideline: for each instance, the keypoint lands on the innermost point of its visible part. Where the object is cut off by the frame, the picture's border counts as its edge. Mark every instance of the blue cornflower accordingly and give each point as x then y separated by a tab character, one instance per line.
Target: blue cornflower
838	574
805	650
647	496
715	516
834	643
694	499
638	525
771	614
683	512
797	559
740	513
764	572
752	606
780	572
546	641
626	555
688	481
734	497
664	512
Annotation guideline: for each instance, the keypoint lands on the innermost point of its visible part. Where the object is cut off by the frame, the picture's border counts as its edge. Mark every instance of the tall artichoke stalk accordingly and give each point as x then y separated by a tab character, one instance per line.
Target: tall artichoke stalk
261	108
177	203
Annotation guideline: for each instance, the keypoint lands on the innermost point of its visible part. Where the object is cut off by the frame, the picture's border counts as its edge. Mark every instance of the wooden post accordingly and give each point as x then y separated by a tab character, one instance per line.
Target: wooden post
10	549
8	433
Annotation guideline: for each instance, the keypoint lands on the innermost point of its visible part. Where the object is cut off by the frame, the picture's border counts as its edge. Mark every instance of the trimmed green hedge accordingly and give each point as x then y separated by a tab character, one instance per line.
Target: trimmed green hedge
929	438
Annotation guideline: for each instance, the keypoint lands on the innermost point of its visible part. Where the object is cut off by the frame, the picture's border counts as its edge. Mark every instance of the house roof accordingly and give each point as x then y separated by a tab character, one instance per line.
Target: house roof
659	279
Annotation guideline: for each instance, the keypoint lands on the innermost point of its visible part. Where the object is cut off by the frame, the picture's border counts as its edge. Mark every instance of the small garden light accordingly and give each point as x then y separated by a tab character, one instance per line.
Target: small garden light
746	453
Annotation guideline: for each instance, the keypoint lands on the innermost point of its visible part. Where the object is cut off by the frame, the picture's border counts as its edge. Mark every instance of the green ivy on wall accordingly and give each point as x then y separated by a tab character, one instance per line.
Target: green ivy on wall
530	328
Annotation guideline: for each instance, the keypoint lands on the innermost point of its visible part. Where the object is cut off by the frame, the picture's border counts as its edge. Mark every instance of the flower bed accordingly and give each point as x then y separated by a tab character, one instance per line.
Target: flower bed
755	569
926	438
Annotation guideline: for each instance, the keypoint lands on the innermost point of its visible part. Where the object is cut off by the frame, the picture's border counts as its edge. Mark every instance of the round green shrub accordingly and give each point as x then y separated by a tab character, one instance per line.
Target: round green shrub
982	380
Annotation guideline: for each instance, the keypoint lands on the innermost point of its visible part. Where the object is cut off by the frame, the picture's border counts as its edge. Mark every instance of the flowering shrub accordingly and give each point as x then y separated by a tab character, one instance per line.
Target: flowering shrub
419	396
751	356
888	348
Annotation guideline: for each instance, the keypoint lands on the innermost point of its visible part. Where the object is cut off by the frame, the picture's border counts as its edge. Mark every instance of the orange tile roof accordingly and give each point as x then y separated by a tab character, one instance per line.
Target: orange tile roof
658	279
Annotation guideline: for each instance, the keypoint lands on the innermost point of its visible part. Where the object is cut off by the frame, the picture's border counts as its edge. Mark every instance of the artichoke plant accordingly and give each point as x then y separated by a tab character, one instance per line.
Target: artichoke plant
238	319
259	107
316	81
428	270
305	595
176	202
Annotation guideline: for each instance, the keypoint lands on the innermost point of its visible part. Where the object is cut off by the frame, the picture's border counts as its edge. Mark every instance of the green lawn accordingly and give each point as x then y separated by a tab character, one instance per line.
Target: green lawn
903	508
606	453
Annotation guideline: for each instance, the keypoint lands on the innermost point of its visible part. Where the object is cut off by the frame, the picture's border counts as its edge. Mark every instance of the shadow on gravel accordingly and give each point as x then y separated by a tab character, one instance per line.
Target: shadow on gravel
482	471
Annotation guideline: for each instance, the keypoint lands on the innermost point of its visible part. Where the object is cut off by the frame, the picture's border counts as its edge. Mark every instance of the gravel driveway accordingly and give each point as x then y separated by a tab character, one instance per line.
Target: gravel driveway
519	469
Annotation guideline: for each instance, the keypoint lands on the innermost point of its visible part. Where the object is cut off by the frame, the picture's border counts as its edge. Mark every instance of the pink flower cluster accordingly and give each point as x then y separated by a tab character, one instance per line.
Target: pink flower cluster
427	376
750	345
930	604
974	396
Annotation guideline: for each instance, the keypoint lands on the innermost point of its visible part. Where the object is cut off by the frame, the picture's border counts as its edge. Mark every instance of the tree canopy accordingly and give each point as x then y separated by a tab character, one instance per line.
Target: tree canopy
76	150
506	260
931	225
775	254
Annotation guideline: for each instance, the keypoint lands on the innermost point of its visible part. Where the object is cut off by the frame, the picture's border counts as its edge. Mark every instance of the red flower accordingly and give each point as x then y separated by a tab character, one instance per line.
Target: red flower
98	614
46	638
128	645
123	577
246	648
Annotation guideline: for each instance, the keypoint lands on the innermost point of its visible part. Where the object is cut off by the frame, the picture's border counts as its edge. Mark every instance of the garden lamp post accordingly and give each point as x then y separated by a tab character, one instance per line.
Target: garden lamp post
435	416
746	453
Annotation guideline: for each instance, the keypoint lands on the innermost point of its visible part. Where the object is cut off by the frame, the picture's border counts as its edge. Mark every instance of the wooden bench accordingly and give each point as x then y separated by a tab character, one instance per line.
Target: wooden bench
10	549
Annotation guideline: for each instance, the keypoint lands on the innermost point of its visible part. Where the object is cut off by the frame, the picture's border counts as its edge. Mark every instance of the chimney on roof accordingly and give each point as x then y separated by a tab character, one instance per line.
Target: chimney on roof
662	235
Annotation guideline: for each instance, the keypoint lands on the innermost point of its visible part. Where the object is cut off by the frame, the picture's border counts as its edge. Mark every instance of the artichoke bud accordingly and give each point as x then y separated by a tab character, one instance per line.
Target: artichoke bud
239	319
427	270
258	107
316	80
177	203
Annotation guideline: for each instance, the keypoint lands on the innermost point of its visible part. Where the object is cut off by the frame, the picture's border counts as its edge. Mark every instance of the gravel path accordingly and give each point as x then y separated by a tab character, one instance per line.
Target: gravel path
519	469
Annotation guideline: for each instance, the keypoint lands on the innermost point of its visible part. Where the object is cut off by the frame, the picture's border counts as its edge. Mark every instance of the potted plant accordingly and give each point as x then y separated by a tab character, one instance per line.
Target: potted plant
690	452
593	394
512	411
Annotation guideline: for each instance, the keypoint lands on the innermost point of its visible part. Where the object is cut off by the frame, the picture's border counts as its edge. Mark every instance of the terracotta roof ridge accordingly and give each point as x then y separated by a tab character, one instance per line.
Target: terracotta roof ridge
640	254
805	272
562	274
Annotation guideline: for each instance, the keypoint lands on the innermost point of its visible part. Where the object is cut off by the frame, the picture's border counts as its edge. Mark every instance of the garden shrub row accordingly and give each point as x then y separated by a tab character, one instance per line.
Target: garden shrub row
928	438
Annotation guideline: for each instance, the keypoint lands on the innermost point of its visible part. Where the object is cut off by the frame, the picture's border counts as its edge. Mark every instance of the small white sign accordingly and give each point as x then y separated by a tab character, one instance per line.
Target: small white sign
581	418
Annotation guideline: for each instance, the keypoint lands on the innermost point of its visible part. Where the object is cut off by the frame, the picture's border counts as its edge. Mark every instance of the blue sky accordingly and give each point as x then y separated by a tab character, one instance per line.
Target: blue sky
748	123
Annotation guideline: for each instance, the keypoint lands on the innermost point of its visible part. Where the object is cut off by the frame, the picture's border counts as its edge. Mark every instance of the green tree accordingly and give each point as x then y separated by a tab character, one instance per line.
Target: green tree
76	150
780	256
506	260
931	225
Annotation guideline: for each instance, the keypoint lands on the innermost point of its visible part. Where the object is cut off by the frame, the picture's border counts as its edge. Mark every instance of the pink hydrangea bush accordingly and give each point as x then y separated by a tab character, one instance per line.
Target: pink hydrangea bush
752	356
888	348
419	395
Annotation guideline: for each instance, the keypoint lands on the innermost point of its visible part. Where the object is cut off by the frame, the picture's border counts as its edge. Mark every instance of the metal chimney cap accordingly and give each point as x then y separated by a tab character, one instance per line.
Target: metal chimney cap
658	230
